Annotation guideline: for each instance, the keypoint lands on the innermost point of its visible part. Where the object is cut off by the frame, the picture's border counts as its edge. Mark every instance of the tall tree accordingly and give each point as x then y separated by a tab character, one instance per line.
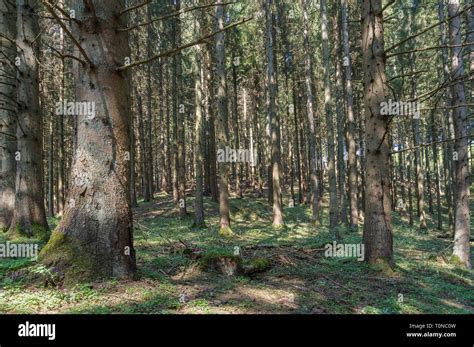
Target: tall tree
273	116
310	106
461	248
377	235
8	110
199	127
222	120
328	109
29	215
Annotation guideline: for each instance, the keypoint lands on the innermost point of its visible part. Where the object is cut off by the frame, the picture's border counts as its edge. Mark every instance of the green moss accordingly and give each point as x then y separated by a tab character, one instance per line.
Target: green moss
256	265
226	232
66	257
382	265
456	261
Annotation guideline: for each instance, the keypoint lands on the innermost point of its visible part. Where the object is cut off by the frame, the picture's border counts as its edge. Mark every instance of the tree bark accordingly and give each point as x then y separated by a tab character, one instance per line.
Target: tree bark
461	248
95	236
377	235
222	121
199	129
310	106
8	112
328	110
29	216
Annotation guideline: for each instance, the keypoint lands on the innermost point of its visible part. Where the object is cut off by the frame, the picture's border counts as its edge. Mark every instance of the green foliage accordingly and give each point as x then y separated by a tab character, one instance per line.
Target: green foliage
300	280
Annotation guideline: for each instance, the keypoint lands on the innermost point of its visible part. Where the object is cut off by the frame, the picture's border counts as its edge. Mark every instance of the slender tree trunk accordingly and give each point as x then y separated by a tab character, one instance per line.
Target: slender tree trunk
341	167
149	123
222	127
461	248
377	235
434	136
351	146
449	146
273	116
328	109
199	129
310	106
238	173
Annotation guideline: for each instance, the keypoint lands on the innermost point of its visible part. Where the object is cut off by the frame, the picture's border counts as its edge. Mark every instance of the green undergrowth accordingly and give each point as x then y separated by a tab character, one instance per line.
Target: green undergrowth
295	275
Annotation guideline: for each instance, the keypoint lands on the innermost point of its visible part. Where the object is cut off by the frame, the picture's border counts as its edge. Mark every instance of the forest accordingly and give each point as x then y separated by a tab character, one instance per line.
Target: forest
242	157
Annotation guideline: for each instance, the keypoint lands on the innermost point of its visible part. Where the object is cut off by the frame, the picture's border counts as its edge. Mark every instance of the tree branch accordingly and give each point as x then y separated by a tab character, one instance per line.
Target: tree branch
135	7
76	43
426	29
427	144
172	14
429	48
177	49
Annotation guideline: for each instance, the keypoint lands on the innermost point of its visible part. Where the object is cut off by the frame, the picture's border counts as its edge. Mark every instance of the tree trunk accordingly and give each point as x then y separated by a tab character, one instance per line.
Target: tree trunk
199	130
95	236
310	106
461	246
274	117
222	125
351	146
8	112
377	235
328	109
29	216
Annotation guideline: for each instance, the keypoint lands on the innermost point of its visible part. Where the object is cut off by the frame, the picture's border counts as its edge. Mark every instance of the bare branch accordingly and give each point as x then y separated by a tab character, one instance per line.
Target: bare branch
427	29
426	144
175	13
66	30
134	7
177	49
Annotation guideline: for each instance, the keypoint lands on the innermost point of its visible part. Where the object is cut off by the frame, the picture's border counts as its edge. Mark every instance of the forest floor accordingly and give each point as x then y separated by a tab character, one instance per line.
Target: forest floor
300	280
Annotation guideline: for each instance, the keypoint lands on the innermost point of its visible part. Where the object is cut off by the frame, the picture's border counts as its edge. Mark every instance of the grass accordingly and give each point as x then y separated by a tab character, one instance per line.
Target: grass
301	279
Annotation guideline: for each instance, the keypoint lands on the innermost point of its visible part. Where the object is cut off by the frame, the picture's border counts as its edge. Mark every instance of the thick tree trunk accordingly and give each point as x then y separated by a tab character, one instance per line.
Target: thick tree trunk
461	248
377	235
8	112
29	215
95	236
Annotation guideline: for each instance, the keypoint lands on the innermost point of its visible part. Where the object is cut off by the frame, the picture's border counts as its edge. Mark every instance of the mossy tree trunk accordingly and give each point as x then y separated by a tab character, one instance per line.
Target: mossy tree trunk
95	236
